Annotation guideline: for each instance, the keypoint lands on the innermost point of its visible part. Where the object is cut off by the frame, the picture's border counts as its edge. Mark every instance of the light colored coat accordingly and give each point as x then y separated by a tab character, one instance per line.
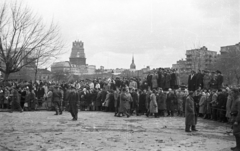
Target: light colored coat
153	104
229	105
203	104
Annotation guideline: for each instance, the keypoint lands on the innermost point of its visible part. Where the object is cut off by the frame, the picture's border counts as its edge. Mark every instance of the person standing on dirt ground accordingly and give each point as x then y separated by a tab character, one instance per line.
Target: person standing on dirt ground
235	113
15	100
190	113
56	99
73	104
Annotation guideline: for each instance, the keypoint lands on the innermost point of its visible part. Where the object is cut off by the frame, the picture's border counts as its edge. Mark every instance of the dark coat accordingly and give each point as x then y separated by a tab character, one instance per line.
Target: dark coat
98	101
125	99
236	108
111	102
192	83
142	102
213	84
167	81
57	96
160	79
72	99
189	111
219	81
199	80
135	99
161	101
116	96
173	81
149	80
222	100
170	102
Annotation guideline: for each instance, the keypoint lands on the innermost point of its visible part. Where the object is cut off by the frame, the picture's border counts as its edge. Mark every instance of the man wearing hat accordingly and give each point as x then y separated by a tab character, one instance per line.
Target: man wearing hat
56	99
73	104
192	81
190	113
219	79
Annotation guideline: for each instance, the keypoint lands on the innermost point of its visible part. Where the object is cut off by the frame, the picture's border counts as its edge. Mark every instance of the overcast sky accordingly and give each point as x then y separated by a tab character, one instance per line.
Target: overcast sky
157	32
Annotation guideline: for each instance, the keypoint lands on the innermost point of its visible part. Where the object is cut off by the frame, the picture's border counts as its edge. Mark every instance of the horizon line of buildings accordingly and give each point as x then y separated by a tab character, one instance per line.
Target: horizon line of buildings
201	58
196	59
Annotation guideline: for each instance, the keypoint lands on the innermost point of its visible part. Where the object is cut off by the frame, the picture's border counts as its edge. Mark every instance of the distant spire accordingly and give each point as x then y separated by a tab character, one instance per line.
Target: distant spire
132	66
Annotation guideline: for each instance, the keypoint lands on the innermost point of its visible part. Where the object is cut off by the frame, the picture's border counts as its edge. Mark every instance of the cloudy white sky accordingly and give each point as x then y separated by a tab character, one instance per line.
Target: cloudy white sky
157	32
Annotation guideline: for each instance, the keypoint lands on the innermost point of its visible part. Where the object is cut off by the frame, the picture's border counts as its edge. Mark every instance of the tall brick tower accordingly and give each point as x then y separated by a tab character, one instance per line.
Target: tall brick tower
77	55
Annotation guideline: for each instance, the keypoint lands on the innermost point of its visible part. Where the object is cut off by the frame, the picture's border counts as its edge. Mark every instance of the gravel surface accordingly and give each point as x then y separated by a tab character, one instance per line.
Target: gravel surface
95	131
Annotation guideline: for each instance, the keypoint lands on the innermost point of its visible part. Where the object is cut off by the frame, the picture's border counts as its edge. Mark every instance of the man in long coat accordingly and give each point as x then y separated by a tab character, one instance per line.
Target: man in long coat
142	102
160	79
235	112
56	99
199	80
116	100
15	100
192	81
219	79
73	103
153	106
190	113
135	103
171	98
161	101
125	98
149	80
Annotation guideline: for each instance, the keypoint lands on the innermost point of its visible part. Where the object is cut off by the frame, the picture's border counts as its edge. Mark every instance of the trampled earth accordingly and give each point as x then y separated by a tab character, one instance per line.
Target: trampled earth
95	131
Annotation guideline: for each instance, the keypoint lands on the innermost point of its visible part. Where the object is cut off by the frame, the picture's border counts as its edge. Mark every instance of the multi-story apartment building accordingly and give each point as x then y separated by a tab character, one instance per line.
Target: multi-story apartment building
200	59
180	66
226	49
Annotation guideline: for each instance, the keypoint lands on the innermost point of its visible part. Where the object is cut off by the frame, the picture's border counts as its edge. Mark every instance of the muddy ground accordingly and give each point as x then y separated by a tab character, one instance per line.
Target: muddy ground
100	131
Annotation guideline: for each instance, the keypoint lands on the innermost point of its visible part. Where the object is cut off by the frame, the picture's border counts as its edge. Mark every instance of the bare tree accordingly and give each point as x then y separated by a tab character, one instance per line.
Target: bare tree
25	39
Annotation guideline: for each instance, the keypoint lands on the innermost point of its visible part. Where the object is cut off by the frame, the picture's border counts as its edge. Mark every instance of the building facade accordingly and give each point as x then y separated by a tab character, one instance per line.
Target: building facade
77	56
76	64
200	59
44	75
226	49
180	66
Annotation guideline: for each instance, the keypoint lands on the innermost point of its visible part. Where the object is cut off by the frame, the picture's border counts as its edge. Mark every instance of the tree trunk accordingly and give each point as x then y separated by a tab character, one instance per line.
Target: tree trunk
35	76
6	76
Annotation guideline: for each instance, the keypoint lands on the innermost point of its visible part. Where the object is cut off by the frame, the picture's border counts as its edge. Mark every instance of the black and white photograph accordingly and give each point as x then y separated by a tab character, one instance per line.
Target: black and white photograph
119	75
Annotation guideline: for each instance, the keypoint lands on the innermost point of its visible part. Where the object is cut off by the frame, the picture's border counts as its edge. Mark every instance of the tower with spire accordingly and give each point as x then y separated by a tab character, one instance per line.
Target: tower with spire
132	66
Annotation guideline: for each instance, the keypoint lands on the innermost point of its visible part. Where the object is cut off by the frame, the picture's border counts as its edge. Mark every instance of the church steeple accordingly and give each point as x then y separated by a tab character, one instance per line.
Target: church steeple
133	66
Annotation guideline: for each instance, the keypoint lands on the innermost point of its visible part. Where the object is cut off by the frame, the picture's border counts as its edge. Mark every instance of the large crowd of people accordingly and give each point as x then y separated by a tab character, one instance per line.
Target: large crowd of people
159	94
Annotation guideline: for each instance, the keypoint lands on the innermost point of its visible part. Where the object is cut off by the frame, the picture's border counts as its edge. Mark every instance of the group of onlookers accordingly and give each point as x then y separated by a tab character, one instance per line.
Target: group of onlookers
126	96
22	97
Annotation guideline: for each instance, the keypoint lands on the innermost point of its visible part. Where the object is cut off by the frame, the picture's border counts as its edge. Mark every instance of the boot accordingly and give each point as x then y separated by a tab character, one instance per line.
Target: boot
187	128
194	128
57	113
237	148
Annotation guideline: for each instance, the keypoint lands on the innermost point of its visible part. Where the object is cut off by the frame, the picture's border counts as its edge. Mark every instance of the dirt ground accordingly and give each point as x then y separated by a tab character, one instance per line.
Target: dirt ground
95	131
